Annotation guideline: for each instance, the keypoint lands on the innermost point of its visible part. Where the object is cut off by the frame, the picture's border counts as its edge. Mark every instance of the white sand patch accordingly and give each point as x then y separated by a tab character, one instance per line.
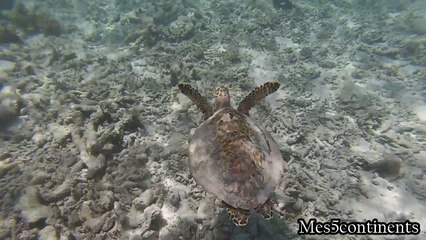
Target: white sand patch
262	71
420	111
138	66
176	106
183	101
112	53
153	130
361	146
323	91
261	75
388	202
284	42
420	159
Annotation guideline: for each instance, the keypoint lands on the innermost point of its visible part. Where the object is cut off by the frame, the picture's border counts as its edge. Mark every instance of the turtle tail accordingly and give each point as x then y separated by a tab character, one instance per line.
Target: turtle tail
257	95
197	99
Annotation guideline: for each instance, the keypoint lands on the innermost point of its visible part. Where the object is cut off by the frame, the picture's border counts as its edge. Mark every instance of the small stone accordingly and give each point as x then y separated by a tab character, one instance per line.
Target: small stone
107	200
379	181
108	225
48	233
420	159
144	200
309	195
39	177
173	199
61	134
68	236
167	234
95	224
77	167
73	220
59	192
95	165
31	207
150	235
134	218
152	214
39	139
86	211
6	166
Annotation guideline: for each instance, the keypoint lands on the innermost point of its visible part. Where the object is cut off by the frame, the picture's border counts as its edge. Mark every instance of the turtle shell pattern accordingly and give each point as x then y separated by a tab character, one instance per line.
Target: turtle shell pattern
236	160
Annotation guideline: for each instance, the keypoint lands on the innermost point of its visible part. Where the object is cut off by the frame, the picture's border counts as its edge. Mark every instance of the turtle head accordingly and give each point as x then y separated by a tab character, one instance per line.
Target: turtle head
222	98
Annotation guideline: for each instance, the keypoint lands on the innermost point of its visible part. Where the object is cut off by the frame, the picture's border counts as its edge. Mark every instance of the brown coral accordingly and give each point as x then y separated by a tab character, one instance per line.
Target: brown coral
389	166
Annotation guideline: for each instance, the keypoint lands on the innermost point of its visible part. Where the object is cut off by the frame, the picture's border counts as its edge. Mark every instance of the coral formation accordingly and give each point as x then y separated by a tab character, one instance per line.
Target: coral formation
101	139
32	22
387	167
415	50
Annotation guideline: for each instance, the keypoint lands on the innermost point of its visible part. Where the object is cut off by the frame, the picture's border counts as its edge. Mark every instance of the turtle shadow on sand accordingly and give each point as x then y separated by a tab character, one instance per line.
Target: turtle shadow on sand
257	228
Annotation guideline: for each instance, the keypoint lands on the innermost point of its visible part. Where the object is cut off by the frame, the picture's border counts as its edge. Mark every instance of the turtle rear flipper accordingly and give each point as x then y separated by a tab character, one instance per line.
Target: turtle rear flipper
257	95
238	216
265	210
197	99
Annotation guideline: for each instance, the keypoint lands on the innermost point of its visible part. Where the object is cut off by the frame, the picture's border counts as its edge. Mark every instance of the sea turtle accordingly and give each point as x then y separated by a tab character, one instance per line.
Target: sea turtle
231	156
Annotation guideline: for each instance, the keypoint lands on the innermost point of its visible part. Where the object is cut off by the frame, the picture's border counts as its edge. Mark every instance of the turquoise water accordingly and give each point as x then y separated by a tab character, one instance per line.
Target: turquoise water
94	129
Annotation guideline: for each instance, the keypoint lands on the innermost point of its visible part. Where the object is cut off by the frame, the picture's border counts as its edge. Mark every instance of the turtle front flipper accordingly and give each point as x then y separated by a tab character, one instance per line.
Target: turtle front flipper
265	210
238	216
257	95
197	99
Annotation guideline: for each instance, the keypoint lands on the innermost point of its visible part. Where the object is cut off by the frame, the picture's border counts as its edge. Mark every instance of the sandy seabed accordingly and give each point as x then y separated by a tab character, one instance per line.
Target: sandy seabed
93	128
